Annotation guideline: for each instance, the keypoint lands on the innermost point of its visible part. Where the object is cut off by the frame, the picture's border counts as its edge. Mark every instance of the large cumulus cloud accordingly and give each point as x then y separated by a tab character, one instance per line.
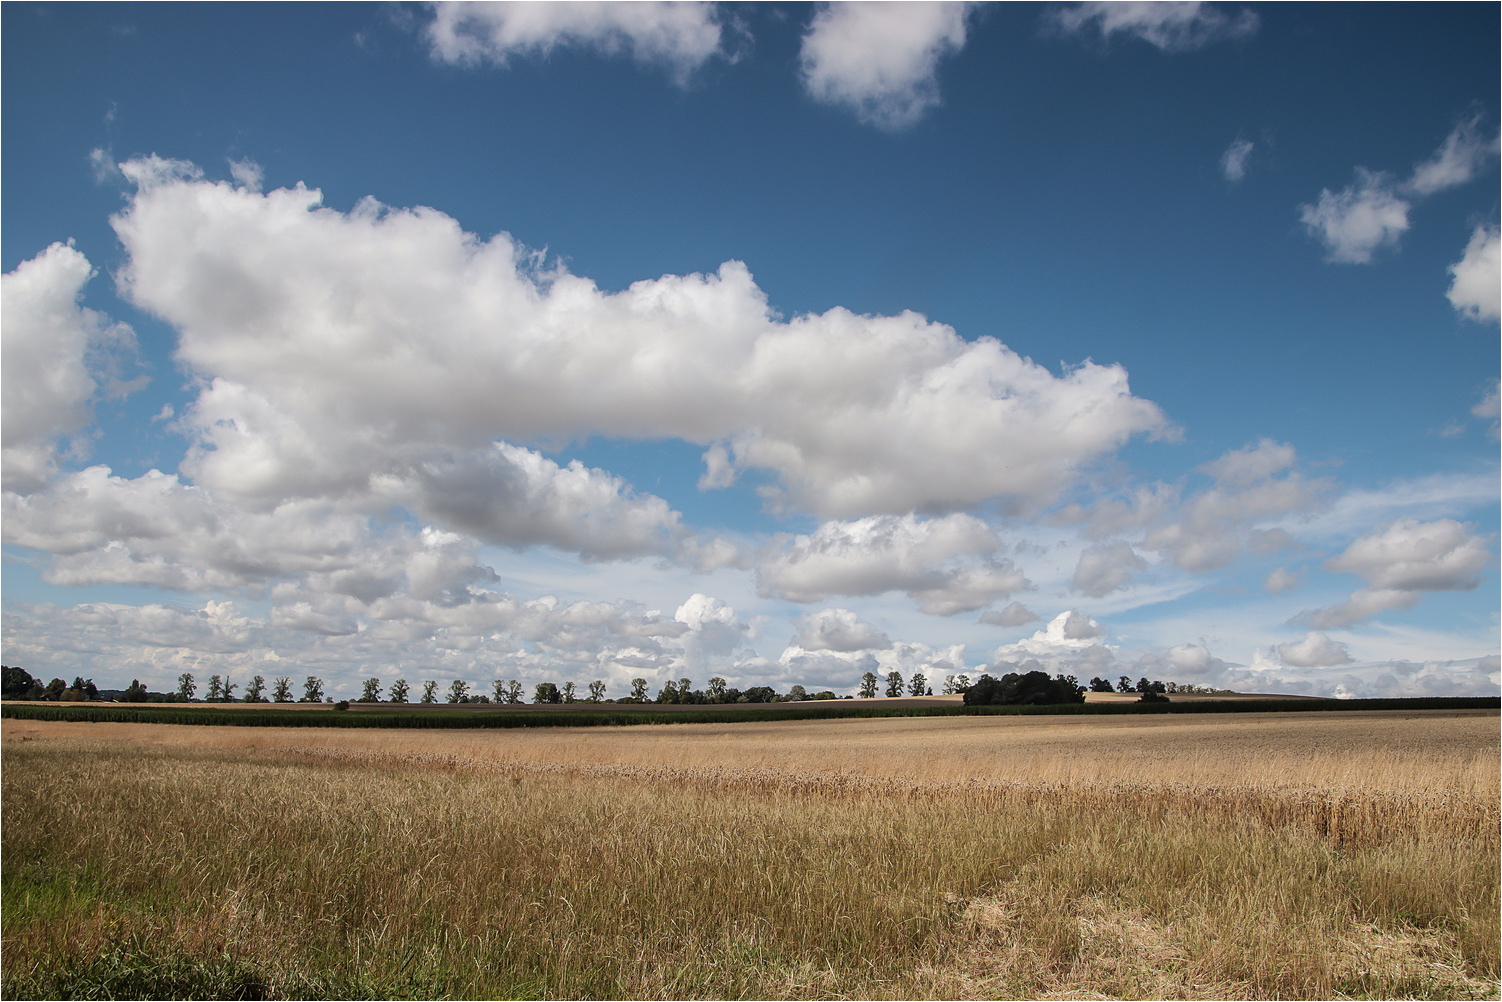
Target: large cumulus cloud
1400	562
59	357
336	346
949	565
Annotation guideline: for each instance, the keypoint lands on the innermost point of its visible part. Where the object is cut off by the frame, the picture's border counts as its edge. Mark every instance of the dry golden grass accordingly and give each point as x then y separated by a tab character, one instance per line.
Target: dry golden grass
1308	855
1426	753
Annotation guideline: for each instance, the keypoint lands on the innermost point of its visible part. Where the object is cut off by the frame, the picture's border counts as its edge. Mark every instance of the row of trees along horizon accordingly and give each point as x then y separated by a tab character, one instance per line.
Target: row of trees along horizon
1031	686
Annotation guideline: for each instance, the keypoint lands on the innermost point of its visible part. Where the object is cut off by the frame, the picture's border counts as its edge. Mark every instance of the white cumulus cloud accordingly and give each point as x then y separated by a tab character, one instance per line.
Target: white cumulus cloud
336	348
516	497
1105	568
880	60
1476	279
1315	651
54	356
1252	486
1441	555
947	564
1400	562
678	36
1371	214
839	630
1280	580
1359	220
1015	614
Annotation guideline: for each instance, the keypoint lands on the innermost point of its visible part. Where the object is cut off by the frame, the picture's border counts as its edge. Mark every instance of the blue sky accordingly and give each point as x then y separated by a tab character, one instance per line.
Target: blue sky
562	342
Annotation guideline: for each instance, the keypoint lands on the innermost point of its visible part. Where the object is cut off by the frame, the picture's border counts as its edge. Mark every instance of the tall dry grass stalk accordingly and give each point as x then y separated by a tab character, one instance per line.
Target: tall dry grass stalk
1011	857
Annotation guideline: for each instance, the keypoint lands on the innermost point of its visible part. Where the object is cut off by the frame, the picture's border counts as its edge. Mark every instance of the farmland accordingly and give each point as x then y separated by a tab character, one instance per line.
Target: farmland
1253	855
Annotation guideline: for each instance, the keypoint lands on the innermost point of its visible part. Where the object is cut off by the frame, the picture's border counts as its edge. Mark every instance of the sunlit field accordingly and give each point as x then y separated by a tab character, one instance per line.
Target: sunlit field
1259	855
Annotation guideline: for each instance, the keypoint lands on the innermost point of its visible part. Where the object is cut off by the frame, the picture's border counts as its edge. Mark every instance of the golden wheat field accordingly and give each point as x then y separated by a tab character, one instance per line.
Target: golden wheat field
1309	855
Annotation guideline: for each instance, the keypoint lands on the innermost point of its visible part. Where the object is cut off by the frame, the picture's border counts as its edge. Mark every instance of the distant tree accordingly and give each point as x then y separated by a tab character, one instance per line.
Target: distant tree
715	690
85	687
514	692
668	693
429	692
212	696
312	690
1152	696
282	691
185	686
868	685
399	690
498	690
134	693
546	692
459	691
370	691
596	691
638	690
1031	688
796	694
1101	685
917	685
686	692
961	684
255	689
1124	684
758	694
15	683
894	683
825	694
567	692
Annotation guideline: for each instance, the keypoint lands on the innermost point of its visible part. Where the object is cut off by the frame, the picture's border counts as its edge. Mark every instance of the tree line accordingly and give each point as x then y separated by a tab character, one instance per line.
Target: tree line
1026	684
17	683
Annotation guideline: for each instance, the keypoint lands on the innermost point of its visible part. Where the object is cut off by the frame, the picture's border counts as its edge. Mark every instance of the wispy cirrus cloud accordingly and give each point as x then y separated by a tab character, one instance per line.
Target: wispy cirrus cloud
1233	162
1372	213
1171	27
